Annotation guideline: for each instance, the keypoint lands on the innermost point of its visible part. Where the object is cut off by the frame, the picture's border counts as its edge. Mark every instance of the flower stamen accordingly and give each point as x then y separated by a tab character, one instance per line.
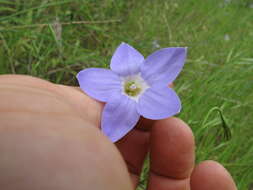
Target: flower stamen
131	88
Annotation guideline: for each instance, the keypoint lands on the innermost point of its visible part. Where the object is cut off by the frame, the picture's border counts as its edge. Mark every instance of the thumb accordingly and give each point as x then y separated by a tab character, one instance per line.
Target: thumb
88	108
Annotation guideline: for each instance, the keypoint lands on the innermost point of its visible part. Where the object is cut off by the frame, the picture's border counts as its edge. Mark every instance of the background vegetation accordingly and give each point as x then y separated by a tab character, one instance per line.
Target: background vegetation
54	39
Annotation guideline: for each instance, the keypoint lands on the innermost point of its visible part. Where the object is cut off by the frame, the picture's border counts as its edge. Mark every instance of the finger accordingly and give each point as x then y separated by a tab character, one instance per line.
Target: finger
89	108
172	155
85	106
144	124
45	144
210	175
26	81
134	148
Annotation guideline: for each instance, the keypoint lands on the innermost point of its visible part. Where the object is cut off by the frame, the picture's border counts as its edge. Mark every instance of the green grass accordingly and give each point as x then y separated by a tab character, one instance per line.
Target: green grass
218	72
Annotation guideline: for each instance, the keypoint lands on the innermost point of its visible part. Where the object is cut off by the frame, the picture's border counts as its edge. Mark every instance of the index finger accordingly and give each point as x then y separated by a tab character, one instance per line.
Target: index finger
172	155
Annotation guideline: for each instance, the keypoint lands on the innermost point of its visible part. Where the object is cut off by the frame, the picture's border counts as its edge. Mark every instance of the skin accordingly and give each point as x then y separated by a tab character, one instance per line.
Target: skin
50	140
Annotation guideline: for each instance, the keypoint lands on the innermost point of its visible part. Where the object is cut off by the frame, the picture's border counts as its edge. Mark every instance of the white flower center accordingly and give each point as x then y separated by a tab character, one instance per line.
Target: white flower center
134	86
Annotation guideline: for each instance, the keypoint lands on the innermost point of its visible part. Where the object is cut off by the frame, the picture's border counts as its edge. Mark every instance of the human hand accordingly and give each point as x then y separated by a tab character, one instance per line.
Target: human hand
171	145
172	155
170	142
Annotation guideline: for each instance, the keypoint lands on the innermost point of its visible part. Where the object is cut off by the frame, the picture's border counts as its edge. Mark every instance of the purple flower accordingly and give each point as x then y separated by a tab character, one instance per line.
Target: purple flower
134	87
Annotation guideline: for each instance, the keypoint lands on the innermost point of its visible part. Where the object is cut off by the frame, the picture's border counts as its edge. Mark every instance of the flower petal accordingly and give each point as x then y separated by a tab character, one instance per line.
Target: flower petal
99	83
126	60
119	117
159	103
163	66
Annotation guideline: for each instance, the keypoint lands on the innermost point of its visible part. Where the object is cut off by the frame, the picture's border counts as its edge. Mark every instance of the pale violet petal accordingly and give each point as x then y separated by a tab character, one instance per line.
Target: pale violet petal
119	117
159	103
126	60
163	66
99	83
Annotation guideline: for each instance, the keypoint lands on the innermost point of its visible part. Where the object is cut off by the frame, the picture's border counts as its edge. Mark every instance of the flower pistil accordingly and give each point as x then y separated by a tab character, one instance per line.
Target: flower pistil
134	86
